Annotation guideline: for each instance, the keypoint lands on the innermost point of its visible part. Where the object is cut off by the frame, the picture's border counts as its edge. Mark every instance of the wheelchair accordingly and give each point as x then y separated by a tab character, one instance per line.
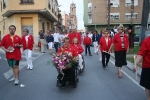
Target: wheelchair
67	80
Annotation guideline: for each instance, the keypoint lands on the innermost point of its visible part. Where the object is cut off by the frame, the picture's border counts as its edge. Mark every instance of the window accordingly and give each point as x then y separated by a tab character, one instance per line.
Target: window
89	7
128	16
115	3
49	4
26	1
90	19
114	16
128	3
4	4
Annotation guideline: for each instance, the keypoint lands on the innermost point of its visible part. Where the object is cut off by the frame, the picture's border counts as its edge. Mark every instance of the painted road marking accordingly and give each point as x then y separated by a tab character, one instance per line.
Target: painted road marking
22	64
128	76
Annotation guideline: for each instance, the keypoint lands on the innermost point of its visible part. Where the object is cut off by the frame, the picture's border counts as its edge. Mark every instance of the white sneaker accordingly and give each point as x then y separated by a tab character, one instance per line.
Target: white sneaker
12	79
16	82
31	68
28	67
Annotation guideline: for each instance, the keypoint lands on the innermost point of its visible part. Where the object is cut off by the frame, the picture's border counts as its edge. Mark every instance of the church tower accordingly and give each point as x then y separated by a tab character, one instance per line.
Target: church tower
73	18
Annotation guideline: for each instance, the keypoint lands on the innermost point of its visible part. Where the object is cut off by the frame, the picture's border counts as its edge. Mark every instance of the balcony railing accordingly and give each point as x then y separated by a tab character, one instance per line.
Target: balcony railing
26	1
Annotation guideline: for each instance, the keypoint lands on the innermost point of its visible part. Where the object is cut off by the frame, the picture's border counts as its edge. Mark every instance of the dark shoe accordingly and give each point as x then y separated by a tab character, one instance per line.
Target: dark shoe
90	55
85	54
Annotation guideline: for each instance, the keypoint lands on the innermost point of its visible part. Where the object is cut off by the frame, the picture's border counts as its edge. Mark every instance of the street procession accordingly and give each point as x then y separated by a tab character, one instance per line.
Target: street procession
75	50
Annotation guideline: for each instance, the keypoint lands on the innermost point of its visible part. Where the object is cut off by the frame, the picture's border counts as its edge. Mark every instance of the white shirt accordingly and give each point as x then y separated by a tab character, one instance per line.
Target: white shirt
26	37
90	35
106	40
56	37
61	37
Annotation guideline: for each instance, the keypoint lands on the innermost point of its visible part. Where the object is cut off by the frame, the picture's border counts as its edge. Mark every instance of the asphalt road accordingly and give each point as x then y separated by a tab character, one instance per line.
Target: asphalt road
94	84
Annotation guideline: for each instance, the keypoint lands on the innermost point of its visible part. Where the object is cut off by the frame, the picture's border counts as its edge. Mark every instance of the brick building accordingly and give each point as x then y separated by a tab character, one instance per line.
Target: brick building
96	13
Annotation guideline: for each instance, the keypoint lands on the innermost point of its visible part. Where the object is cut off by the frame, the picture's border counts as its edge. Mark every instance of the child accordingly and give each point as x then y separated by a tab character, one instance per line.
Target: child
87	41
104	44
76	46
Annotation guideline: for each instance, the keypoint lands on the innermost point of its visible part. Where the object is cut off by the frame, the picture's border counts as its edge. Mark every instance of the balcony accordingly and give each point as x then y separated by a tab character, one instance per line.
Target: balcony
26	1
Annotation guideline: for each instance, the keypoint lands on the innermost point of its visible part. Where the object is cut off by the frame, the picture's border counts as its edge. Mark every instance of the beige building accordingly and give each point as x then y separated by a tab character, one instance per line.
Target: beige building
72	17
96	13
30	14
65	21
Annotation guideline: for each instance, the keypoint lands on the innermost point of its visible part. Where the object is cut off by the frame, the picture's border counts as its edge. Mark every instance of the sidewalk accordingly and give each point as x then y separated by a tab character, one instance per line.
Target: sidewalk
129	64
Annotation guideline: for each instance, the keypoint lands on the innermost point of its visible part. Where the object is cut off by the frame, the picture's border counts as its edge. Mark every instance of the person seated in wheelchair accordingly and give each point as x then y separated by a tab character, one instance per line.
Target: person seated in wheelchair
71	71
79	49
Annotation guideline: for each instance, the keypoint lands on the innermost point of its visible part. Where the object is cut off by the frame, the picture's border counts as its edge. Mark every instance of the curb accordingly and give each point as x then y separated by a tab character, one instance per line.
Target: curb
129	65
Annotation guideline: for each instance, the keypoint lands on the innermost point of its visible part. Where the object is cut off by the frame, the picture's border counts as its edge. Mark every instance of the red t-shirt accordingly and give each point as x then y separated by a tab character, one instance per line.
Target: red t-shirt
74	35
78	48
7	41
145	52
69	49
103	45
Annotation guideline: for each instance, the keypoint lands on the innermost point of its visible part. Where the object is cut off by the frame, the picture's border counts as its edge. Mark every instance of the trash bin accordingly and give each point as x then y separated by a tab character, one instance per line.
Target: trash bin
147	34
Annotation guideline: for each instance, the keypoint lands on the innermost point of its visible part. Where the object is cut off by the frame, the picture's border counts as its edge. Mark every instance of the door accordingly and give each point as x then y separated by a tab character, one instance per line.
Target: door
30	28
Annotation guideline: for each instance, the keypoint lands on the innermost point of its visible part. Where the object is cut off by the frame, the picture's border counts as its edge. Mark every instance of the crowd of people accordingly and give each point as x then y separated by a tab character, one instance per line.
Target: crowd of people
119	38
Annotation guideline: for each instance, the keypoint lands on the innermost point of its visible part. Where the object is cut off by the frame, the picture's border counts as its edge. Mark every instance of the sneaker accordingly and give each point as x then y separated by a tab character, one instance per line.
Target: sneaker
90	55
105	68
85	54
16	82
12	79
28	68
31	68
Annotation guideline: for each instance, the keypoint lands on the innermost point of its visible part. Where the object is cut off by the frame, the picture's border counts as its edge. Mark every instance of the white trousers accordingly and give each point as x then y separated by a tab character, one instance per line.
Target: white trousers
28	55
95	47
42	45
100	56
80	61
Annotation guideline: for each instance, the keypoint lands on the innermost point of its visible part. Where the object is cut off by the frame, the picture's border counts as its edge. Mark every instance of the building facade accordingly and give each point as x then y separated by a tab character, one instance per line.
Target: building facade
72	17
28	14
65	21
96	13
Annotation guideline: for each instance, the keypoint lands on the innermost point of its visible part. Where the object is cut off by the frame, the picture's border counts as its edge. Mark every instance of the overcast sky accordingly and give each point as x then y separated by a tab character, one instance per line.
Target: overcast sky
65	6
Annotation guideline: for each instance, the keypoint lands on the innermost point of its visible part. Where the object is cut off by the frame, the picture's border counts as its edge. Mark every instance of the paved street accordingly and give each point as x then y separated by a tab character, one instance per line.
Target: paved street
94	84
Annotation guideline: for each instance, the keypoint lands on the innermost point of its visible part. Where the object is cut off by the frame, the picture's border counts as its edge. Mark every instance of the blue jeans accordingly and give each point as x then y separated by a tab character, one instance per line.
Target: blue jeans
87	47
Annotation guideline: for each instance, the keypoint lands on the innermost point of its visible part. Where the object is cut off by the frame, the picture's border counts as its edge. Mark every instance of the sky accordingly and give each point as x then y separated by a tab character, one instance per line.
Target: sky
65	6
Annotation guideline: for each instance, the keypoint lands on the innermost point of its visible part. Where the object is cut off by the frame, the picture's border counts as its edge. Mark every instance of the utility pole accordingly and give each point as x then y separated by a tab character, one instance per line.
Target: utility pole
108	15
145	14
132	11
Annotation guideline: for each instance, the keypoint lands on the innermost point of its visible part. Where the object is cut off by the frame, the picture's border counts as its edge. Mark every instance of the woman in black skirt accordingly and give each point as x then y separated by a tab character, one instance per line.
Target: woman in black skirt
144	54
120	44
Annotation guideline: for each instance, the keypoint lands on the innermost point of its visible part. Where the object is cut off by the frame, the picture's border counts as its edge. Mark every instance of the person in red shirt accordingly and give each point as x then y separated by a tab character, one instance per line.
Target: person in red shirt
121	45
87	42
28	41
104	45
11	44
79	49
73	35
144	55
70	72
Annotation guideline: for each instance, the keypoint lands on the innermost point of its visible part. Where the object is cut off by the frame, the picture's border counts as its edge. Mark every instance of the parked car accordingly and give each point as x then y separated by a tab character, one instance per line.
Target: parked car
136	37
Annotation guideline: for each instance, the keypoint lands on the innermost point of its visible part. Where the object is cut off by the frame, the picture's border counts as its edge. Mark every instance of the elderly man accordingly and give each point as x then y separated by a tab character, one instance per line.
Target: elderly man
74	34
